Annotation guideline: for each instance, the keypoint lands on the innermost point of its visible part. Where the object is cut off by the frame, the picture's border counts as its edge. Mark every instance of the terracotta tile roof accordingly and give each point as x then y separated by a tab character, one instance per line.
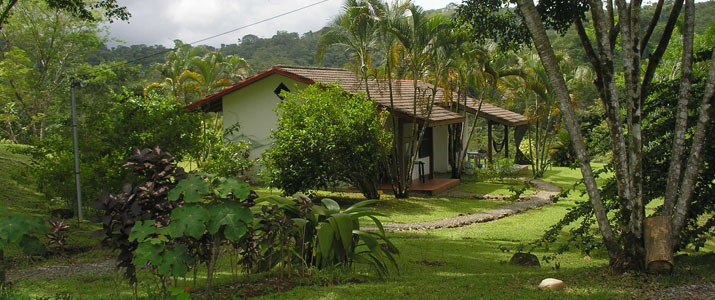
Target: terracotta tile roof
495	113
350	81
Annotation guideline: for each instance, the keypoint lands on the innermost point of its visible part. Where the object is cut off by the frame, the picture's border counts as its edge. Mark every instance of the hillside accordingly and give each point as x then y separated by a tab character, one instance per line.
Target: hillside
291	48
17	188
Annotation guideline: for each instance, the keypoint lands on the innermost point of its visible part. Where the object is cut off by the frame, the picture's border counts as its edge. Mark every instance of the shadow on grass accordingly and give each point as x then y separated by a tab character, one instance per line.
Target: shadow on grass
433	266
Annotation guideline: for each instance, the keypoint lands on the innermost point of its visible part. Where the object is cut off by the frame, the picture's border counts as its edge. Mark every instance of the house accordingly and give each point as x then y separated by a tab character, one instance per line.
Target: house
252	104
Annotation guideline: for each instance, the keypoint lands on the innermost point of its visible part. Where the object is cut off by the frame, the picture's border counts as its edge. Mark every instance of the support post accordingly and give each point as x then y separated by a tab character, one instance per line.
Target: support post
401	147
506	141
490	140
74	83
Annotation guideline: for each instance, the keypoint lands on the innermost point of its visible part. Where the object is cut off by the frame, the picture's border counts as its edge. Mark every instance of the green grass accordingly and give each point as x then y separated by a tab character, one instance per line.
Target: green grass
17	192
457	263
418	208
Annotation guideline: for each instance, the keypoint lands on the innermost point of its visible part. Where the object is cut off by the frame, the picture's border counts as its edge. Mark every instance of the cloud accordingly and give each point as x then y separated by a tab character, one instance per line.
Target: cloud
163	21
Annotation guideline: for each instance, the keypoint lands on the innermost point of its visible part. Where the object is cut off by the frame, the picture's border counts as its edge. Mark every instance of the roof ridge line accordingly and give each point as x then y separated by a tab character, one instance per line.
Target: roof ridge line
311	67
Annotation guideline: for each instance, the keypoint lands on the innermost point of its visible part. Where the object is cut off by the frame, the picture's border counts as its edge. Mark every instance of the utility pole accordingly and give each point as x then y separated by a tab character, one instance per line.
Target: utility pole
74	83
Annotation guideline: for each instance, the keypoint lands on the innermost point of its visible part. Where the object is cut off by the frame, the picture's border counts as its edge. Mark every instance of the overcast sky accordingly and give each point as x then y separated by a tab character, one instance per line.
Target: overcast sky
163	21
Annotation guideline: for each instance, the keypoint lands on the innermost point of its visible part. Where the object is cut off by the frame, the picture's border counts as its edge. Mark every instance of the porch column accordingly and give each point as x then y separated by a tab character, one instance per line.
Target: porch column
489	140
401	145
506	141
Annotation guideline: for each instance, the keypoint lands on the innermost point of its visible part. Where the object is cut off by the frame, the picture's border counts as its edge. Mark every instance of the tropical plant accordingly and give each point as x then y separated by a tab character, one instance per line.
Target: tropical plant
328	235
542	111
355	28
326	135
144	198
209	214
58	235
417	34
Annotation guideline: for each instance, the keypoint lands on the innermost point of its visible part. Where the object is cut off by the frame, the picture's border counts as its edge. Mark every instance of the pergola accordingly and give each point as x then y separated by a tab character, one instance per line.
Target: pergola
507	118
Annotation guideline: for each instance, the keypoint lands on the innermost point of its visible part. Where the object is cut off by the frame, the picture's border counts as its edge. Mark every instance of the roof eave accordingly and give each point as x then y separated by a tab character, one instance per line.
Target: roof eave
218	96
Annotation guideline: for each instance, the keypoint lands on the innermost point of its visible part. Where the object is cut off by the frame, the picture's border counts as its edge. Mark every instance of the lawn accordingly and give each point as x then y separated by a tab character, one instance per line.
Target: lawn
458	263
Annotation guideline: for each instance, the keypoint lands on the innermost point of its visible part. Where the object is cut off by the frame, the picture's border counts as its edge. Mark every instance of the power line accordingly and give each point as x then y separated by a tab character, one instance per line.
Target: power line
261	21
223	33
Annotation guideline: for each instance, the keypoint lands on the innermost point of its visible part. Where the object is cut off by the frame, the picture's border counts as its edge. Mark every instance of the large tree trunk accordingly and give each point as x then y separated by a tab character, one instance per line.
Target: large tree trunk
550	62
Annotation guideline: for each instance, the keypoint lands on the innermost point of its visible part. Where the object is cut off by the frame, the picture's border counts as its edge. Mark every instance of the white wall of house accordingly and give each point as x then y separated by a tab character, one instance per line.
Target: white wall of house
253	107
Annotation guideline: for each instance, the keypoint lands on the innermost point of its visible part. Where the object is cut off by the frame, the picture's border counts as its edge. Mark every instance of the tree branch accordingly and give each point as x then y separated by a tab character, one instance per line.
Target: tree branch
681	118
6	12
695	159
586	43
654	59
651	27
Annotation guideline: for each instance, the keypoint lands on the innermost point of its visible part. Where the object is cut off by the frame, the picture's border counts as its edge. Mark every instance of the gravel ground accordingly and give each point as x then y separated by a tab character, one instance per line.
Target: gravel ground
59	272
704	291
542	197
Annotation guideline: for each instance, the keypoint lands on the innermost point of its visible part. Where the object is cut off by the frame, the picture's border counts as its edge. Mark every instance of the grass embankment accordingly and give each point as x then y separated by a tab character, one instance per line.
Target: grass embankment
17	192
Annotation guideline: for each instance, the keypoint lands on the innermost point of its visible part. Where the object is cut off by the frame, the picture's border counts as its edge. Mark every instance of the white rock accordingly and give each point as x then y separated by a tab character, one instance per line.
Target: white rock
551	284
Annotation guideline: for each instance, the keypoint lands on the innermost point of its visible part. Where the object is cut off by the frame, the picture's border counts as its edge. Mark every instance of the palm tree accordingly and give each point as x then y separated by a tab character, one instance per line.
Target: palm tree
178	82
417	36
355	29
386	15
212	68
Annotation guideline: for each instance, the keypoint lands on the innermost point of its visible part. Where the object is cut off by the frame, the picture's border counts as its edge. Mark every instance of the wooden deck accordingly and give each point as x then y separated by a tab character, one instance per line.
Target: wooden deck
431	186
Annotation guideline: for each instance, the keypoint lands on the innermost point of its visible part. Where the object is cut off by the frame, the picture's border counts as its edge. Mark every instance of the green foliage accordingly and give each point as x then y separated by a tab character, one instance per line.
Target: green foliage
324	136
498	20
189	221
209	214
284	47
229	158
46	45
500	170
329	235
107	135
21	230
191	188
658	123
155	175
229	217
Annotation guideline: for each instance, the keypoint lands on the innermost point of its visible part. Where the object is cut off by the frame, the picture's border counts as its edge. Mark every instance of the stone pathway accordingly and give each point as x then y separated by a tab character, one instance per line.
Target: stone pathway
542	197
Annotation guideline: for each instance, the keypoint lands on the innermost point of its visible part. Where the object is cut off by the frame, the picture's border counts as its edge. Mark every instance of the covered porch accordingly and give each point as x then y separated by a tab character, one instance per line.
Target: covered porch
497	116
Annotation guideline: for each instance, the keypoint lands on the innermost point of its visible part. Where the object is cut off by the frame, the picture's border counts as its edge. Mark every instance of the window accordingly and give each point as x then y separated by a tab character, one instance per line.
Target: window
281	87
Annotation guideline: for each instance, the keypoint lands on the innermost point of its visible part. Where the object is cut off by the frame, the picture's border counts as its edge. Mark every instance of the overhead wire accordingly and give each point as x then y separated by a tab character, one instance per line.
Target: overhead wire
215	36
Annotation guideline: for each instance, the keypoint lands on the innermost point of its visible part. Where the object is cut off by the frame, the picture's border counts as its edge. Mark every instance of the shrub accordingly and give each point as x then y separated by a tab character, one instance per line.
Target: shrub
170	220
326	135
225	158
107	138
145	198
21	230
327	235
500	170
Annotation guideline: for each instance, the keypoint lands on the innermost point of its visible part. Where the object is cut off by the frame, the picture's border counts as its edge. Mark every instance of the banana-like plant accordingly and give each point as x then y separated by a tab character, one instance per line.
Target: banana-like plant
329	235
